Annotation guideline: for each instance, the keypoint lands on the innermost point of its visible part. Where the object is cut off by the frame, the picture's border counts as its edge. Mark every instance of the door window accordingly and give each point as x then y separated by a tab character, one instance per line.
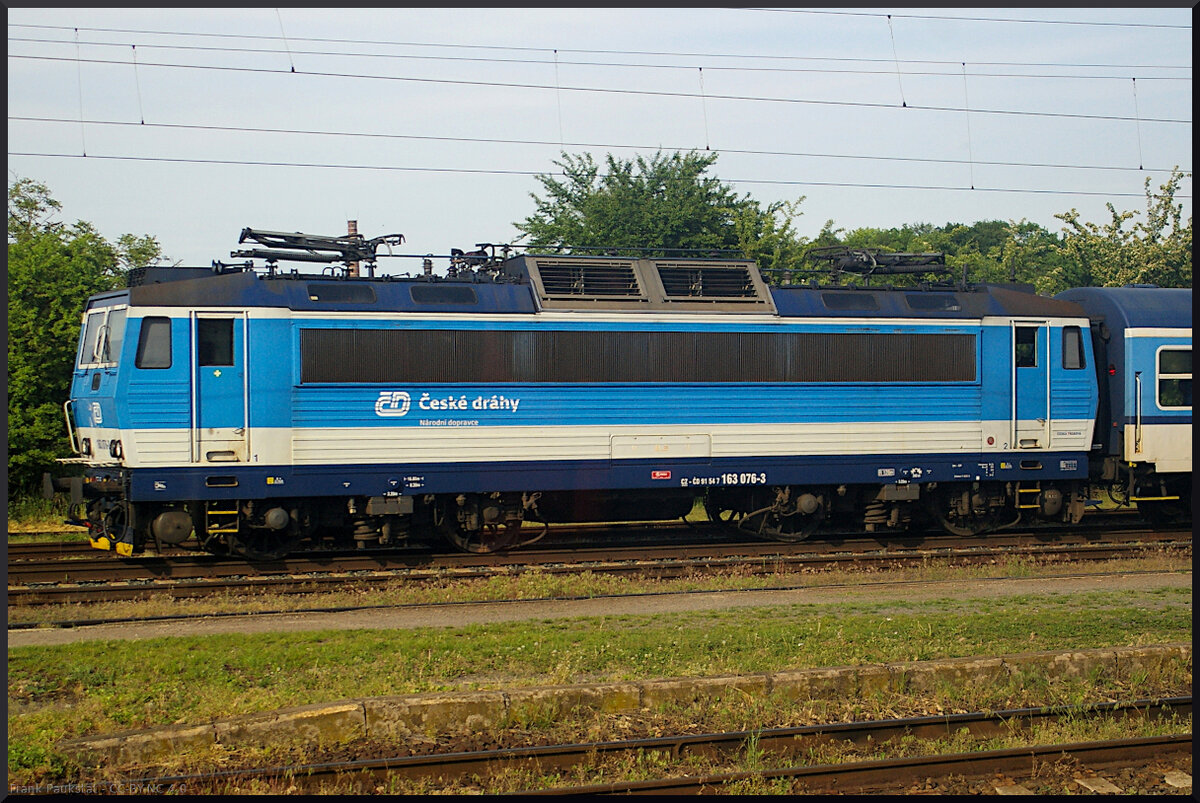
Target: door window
1025	351
214	338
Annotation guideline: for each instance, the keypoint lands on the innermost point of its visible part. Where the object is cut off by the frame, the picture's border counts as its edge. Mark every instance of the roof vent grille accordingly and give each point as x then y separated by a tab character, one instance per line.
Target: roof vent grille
589	279
683	280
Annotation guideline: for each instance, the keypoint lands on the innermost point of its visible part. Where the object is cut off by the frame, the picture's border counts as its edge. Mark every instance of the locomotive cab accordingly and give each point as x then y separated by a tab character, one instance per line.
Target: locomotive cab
94	412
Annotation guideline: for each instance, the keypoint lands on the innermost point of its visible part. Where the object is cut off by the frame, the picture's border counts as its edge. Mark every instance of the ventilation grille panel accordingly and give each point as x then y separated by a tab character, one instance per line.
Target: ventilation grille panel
663	285
683	280
589	279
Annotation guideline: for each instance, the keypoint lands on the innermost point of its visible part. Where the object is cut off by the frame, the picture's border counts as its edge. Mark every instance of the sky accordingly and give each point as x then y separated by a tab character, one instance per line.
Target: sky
192	124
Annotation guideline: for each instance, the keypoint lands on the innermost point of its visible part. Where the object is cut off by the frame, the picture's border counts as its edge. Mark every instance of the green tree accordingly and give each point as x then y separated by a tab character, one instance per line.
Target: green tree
138	252
1157	250
664	203
52	269
985	251
29	209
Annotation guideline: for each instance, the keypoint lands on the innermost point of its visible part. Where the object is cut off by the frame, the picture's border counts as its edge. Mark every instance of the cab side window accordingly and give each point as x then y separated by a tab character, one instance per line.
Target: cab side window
1072	357
154	343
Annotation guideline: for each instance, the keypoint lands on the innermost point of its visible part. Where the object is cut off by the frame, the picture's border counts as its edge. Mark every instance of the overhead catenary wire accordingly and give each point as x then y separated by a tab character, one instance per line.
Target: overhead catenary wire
703	96
897	64
1139	123
496	141
892	36
535	173
967	117
594	51
138	85
286	45
79	79
948	18
608	145
608	90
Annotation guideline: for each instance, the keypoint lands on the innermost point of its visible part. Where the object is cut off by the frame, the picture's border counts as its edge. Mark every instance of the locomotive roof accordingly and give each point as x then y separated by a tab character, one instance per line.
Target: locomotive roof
1134	306
514	293
912	302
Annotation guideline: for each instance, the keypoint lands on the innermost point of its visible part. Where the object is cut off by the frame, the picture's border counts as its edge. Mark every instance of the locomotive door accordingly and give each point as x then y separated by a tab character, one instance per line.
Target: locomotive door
219	400
1031	384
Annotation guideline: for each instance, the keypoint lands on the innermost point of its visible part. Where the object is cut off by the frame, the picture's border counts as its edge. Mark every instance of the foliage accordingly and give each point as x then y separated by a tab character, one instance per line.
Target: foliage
29	209
986	251
669	202
138	252
1157	250
664	204
52	269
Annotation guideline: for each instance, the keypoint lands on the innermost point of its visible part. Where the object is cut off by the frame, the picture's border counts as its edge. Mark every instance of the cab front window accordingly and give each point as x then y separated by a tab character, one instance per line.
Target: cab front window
91	336
114	336
103	335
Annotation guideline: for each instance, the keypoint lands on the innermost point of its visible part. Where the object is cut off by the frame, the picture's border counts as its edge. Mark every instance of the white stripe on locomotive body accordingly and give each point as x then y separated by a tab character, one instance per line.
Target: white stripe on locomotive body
309	446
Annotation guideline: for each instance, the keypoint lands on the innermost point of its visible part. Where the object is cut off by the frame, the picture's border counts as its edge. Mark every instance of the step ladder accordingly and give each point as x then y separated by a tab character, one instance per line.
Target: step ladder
1036	490
221	516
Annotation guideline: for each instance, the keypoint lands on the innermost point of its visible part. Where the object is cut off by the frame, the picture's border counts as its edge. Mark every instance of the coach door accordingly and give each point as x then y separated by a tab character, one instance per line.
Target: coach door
219	354
1031	384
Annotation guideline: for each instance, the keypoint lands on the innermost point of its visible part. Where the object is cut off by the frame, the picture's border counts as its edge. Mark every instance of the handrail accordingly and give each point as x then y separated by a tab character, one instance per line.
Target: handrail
70	426
1137	412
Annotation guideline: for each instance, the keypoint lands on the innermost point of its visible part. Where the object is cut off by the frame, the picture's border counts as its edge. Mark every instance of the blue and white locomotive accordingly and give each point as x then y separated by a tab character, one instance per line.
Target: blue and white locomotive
260	412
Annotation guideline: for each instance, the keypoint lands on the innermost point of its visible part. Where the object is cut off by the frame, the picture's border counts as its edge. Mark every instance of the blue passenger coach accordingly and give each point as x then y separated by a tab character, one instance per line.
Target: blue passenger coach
1143	339
261	412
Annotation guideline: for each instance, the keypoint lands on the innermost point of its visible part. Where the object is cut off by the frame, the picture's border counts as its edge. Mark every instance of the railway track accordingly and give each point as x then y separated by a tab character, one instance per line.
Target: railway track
680	752
97	579
76	544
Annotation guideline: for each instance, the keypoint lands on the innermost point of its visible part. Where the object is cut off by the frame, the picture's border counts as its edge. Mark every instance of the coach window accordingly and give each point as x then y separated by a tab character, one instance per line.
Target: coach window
1174	378
154	343
1026	348
214	338
1073	348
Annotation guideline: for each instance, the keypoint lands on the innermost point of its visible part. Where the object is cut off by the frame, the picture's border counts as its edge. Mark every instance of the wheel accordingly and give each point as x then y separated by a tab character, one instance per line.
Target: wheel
718	514
486	540
1163	515
979	520
263	544
789	529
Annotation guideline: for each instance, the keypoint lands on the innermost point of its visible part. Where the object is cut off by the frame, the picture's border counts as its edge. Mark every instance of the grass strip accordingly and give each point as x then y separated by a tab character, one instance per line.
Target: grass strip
97	687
